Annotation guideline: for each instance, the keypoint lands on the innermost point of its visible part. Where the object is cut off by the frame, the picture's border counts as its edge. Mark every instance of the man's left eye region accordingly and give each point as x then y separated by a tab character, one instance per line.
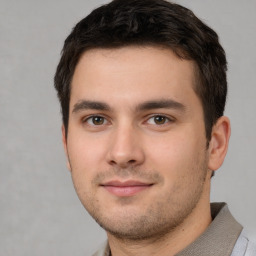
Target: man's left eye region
95	120
158	120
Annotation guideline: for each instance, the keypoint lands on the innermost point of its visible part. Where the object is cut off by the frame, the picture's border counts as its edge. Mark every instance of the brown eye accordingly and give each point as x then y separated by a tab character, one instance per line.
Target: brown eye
160	120
96	120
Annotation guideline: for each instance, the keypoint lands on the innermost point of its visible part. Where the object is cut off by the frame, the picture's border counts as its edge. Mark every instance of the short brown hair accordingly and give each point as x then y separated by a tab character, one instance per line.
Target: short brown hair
150	22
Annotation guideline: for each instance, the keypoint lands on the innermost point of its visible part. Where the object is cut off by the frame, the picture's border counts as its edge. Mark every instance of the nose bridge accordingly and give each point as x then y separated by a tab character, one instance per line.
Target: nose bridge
126	148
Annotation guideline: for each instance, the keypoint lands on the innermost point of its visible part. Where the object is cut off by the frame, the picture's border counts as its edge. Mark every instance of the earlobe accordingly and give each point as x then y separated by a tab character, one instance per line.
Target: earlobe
218	145
64	141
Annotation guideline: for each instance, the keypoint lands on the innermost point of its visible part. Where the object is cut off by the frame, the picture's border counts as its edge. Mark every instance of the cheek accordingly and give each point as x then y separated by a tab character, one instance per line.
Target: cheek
86	151
85	159
182	163
178	158
173	150
82	160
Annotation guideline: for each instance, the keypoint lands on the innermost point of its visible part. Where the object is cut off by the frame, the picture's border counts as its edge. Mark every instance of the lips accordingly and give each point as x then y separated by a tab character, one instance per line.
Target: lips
127	188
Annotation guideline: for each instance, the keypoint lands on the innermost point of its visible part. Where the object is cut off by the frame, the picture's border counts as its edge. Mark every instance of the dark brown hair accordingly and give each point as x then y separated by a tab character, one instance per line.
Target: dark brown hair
150	22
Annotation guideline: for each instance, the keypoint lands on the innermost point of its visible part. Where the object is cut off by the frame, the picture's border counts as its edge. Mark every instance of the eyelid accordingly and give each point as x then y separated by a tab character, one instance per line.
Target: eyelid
107	121
85	119
169	118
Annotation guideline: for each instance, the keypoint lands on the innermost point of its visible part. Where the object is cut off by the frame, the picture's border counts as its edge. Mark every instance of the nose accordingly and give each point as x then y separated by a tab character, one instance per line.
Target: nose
125	149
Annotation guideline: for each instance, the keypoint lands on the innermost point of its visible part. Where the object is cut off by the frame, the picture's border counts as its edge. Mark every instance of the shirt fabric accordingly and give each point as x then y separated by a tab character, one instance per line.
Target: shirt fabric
223	237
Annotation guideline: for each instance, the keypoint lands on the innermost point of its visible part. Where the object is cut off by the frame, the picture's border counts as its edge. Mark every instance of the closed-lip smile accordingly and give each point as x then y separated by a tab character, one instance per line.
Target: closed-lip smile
125	188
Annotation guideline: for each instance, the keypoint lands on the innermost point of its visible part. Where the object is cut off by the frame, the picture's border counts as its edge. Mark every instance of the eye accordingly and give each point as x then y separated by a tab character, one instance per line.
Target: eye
95	120
158	120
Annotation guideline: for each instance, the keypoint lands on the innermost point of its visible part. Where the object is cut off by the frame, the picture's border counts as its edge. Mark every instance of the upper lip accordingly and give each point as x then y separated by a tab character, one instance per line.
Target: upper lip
128	183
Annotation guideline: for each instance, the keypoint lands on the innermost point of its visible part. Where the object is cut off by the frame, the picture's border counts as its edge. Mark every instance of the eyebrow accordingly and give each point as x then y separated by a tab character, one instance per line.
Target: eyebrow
164	103
87	104
148	105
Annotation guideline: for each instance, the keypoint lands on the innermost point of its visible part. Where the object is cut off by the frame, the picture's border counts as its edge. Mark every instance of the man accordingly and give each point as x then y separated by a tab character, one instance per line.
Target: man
142	86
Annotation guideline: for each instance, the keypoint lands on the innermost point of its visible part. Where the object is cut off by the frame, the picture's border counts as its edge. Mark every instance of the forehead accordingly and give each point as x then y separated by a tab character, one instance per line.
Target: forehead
134	71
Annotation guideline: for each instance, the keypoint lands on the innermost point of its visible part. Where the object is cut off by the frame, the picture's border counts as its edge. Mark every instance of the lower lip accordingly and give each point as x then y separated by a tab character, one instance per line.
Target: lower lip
126	191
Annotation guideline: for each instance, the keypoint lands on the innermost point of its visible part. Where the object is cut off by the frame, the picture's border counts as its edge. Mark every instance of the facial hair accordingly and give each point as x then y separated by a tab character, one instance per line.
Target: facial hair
162	215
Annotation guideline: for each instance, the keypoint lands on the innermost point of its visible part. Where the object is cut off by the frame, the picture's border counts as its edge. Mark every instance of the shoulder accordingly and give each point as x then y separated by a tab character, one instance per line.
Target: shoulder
244	246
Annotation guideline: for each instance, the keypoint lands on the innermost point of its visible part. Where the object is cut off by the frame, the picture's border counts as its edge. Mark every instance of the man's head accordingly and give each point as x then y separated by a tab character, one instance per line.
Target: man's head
142	86
147	23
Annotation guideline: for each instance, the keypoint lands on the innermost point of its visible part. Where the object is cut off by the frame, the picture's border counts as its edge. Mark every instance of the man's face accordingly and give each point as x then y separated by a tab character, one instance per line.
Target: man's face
136	140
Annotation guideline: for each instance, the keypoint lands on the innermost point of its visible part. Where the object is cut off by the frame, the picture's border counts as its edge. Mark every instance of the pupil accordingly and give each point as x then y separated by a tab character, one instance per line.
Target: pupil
98	120
160	119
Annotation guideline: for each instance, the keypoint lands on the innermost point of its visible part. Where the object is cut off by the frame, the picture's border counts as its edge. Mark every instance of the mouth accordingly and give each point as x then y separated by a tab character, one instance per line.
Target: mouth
127	188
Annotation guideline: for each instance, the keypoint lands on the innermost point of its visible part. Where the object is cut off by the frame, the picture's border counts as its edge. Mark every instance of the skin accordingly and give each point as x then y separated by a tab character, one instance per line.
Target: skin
136	148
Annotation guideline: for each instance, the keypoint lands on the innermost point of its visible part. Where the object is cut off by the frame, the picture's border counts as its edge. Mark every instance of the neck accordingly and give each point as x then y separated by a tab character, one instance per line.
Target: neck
171	243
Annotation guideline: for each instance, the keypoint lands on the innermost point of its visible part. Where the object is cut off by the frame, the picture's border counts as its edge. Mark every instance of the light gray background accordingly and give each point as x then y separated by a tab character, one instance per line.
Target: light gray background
39	210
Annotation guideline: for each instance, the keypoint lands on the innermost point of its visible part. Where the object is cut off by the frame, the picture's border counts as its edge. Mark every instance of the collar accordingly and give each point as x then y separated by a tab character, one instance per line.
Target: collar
219	238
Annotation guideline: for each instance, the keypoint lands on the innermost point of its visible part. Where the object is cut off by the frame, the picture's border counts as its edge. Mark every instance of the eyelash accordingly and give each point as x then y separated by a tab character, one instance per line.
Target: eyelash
167	120
86	120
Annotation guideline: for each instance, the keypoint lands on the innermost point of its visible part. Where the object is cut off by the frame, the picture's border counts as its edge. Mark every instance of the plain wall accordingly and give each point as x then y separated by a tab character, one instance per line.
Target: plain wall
40	213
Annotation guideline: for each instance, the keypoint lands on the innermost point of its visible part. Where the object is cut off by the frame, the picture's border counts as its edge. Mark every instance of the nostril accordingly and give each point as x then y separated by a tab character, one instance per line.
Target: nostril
112	162
125	163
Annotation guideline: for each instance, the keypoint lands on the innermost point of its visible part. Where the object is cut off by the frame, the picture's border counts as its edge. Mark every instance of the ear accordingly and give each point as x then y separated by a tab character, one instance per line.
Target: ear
218	145
64	141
